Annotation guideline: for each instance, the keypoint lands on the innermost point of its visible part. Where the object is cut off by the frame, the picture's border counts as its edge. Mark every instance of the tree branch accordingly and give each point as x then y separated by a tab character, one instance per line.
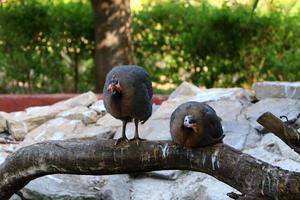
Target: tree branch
282	130
98	157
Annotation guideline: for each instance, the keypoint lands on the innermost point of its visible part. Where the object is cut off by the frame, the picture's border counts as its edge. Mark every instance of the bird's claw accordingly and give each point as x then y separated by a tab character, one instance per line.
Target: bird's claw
120	140
137	140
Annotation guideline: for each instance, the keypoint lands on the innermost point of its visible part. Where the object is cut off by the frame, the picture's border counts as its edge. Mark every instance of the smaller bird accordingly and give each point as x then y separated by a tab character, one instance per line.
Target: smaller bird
195	124
127	95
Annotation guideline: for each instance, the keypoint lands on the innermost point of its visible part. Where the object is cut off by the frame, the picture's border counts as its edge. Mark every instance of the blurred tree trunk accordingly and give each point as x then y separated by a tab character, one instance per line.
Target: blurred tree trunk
112	36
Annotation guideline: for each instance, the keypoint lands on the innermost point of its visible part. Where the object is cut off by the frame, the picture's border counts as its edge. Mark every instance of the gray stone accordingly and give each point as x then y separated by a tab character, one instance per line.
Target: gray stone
61	187
236	133
277	106
55	129
85	99
165	174
109	121
151	130
20	123
87	116
3	124
191	185
273	144
15	197
185	89
275	89
227	110
98	106
275	159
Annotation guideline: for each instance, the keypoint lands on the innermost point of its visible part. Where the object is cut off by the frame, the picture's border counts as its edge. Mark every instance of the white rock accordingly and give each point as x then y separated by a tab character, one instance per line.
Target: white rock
109	121
55	129
98	106
192	185
3	125
261	153
151	130
94	130
277	106
236	133
6	150
165	174
85	99
273	144
58	187
20	123
227	110
214	94
275	89
15	197
82	113
185	89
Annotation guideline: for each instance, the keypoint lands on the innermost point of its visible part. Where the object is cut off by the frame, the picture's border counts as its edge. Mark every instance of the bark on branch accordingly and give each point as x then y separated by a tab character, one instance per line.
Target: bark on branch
98	157
282	130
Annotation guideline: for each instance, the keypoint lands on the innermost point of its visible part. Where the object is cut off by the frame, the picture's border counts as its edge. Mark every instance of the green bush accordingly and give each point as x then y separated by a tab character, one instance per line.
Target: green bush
43	46
216	47
48	46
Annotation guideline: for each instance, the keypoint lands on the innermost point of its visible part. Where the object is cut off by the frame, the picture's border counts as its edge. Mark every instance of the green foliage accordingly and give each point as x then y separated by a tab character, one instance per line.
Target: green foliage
215	47
43	44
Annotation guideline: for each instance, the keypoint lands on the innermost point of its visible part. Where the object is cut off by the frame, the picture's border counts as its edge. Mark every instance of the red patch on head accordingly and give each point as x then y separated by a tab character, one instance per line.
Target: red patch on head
113	87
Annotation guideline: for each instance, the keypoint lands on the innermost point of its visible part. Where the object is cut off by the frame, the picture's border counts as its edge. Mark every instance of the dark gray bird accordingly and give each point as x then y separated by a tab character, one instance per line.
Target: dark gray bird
195	124
128	95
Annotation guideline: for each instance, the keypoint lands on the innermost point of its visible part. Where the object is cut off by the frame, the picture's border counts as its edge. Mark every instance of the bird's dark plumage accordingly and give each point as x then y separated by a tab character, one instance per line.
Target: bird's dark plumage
195	124
128	95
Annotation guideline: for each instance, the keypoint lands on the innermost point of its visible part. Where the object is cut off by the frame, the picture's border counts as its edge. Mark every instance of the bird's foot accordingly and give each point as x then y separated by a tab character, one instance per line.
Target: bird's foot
120	140
137	140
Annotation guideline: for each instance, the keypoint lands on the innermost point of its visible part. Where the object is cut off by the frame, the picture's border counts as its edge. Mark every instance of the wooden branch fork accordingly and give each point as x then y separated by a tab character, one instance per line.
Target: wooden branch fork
252	177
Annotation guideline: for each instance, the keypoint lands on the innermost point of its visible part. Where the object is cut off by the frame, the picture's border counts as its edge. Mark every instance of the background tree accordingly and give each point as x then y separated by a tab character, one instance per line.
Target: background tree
112	36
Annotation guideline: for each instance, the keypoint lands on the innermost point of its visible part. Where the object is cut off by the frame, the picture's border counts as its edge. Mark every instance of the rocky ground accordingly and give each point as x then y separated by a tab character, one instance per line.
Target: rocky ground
84	116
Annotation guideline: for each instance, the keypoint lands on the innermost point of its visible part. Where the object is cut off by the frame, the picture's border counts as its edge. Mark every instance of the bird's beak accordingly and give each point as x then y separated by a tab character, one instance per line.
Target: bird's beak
189	125
110	88
114	88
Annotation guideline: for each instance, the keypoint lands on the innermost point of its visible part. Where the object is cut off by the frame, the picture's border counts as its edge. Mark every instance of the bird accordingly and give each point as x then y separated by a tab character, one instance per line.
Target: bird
127	95
195	124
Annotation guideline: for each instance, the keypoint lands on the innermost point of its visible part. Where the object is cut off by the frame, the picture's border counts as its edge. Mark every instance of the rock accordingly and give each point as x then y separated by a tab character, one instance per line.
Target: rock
3	124
15	197
87	116
185	89
151	130
227	110
98	106
62	129
236	133
6	150
109	121
165	174
191	185
277	106
3	156
20	123
273	144
94	131
275	89
273	158
59	187
85	99
55	129
214	94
